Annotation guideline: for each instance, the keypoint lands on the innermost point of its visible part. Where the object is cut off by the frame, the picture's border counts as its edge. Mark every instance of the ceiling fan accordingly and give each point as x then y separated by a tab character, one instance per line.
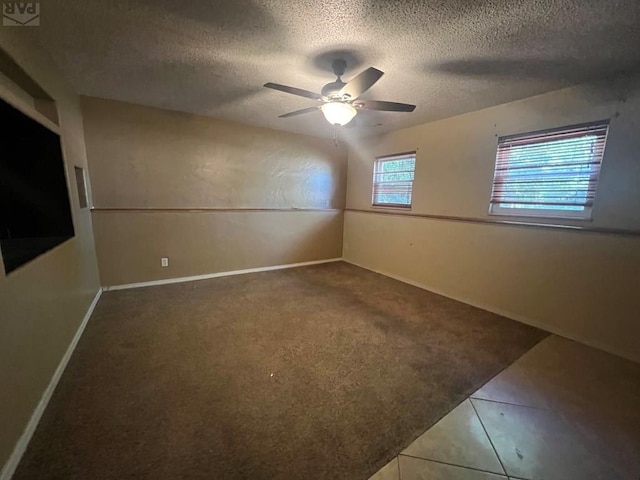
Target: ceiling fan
339	99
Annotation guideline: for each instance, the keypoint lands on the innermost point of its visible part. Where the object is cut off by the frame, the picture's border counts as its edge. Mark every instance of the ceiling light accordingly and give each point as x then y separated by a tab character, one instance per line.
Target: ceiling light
338	113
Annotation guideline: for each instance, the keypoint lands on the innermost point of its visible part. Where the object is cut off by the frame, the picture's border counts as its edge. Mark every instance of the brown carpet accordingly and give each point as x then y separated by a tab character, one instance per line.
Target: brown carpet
322	372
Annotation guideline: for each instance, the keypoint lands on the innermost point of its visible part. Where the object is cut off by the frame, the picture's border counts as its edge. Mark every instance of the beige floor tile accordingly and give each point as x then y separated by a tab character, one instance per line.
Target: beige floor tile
616	436
597	392
541	445
517	385
419	469
458	439
389	472
560	374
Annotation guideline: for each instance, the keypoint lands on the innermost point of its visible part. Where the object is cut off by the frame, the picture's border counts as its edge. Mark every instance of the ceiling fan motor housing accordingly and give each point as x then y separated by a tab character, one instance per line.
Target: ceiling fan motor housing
331	91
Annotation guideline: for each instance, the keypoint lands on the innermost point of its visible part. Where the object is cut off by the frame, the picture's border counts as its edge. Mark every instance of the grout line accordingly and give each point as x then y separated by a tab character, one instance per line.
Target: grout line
517	359
415	284
512	404
555	413
398	462
470	397
511	364
464	400
488	436
453	464
429	428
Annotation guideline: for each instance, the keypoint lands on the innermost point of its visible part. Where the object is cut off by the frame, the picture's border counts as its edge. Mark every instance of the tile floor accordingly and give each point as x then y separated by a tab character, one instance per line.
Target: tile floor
563	411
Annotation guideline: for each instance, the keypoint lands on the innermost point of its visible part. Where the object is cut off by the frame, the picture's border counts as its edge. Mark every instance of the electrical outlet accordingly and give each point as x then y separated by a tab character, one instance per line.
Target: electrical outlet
164	261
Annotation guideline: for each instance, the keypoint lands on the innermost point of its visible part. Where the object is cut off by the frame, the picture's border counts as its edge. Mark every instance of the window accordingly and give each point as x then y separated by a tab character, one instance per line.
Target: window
35	214
549	174
393	180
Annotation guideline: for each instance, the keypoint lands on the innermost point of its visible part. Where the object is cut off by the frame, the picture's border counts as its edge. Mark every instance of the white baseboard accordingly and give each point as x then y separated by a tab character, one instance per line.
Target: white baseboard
216	275
513	316
491	309
21	446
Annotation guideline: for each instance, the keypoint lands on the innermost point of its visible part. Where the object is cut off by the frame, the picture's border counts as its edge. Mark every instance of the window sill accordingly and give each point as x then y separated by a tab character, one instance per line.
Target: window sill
391	207
542	216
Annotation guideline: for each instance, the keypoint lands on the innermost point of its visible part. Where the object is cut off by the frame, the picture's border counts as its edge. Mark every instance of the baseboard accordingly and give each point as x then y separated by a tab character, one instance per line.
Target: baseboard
218	274
21	446
513	316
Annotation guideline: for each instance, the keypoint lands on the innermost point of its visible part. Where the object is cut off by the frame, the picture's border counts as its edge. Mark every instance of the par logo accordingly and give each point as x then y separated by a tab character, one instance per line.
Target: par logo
20	14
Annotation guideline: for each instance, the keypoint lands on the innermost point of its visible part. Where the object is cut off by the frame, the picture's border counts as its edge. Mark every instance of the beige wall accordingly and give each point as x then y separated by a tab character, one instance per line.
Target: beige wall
580	285
42	304
148	158
131	245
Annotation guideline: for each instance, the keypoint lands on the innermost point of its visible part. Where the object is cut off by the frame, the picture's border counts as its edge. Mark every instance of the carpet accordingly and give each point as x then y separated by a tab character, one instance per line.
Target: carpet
320	372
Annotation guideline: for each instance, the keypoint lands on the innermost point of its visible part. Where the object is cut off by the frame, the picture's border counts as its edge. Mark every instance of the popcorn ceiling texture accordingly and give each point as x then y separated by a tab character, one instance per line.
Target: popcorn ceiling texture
447	57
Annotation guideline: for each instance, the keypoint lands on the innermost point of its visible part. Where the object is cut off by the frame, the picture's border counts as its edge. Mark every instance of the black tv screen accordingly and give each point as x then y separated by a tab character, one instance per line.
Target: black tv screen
35	213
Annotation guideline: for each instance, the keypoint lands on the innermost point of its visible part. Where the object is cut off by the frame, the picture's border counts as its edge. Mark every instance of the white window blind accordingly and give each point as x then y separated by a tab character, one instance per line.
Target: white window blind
393	180
551	174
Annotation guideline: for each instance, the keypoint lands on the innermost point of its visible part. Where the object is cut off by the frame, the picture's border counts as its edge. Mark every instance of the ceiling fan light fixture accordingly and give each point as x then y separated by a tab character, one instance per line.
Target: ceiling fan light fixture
338	97
338	113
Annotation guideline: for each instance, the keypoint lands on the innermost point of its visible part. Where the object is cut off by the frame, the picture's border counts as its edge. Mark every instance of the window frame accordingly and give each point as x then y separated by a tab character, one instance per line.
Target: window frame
81	186
388	158
586	213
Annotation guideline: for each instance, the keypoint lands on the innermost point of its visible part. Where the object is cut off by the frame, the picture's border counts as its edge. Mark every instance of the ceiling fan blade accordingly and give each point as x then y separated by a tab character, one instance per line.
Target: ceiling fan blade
385	106
298	112
361	83
294	91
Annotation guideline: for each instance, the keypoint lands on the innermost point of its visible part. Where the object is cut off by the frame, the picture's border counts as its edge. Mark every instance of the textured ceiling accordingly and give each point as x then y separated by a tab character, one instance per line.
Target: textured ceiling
446	56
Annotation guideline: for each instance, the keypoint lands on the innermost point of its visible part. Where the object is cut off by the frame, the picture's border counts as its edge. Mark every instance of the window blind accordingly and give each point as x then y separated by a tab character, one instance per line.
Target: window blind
393	180
550	173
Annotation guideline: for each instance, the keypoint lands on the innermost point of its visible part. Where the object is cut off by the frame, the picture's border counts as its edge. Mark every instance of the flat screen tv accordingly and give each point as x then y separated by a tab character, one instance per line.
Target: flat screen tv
35	214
